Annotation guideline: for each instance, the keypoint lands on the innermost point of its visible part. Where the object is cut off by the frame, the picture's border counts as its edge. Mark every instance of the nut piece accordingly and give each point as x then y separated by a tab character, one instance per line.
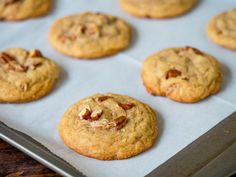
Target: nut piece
8	2
32	64
96	114
5	58
35	53
85	114
102	98
172	73
91	29
196	51
126	106
118	123
16	67
23	86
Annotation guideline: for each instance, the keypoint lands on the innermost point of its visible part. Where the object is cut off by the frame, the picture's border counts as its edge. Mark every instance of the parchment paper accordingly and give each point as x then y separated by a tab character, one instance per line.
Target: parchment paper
179	124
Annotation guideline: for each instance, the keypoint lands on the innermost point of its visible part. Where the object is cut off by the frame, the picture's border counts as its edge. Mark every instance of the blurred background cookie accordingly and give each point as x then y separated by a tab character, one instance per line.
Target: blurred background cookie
90	35
157	8
222	29
23	9
25	75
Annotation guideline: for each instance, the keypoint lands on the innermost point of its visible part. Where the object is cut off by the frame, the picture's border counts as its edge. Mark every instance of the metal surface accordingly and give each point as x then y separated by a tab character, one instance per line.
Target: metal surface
37	151
211	155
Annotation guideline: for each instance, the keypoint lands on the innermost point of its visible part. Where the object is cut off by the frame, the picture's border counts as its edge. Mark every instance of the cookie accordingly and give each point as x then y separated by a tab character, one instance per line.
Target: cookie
109	127
90	35
222	29
25	75
23	9
182	74
157	8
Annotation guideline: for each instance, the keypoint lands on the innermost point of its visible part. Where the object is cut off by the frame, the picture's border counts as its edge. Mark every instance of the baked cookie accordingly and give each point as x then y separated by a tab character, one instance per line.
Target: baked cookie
109	127
222	29
182	74
157	8
23	9
90	35
25	75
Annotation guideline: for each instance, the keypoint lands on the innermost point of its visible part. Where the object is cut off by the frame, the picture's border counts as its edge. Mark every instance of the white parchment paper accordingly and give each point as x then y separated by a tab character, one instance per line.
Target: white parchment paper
179	124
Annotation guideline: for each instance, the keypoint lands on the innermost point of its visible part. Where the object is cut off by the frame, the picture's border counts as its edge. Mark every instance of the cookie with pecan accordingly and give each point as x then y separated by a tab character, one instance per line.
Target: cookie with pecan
182	74
157	8
222	29
90	35
25	75
109	127
23	9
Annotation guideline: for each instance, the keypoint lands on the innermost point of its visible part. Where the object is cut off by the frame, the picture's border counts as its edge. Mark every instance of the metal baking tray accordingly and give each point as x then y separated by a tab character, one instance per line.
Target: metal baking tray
211	155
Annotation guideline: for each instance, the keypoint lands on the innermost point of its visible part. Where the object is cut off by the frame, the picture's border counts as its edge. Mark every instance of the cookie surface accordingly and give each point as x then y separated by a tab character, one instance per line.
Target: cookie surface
23	9
222	29
157	8
182	74
25	75
90	35
109	127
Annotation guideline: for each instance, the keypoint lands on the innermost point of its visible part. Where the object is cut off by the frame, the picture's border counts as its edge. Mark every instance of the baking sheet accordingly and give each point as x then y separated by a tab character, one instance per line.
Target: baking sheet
179	124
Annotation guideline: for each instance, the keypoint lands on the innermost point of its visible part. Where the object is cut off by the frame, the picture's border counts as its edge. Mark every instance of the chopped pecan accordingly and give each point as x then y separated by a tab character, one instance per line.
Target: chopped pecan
102	98
91	29
172	73
32	64
118	123
16	67
85	114
8	2
35	53
126	106
196	51
24	86
62	38
96	114
5	58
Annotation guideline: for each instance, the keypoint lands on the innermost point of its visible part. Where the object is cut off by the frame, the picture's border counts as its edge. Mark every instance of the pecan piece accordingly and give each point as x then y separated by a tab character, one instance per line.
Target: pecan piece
118	123
35	53
173	73
96	114
85	114
5	58
8	2
196	51
16	67
126	106
102	98
62	38
32	64
91	29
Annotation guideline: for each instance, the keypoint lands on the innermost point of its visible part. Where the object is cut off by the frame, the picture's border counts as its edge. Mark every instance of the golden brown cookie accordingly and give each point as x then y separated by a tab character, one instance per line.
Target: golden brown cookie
25	75
157	8
109	127
182	74
222	29
23	9
90	35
